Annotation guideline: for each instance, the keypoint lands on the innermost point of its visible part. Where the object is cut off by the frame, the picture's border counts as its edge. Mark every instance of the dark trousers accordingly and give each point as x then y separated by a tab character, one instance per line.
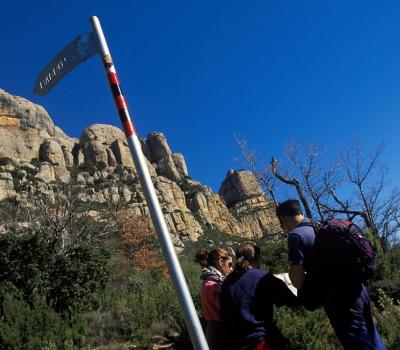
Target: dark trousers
350	314
215	335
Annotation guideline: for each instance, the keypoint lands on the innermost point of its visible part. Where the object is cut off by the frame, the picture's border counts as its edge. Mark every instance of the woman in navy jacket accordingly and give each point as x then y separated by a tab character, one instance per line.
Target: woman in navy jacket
247	298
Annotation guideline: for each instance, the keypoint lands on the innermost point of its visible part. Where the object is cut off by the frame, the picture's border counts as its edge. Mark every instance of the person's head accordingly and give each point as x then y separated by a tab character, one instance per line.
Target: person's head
289	214
219	258
248	256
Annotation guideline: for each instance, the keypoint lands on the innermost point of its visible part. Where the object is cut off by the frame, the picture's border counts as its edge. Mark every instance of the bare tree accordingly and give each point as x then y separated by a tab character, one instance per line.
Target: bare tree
62	214
372	194
352	184
294	182
264	175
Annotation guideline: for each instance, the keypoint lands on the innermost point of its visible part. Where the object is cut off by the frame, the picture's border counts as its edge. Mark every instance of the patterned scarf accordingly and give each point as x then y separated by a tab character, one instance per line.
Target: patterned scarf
211	273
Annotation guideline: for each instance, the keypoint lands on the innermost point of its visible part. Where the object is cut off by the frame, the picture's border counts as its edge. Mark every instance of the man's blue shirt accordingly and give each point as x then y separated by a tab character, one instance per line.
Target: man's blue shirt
300	243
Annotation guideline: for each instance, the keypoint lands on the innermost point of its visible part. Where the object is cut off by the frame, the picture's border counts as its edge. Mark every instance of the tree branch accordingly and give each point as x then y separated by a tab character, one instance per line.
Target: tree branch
294	182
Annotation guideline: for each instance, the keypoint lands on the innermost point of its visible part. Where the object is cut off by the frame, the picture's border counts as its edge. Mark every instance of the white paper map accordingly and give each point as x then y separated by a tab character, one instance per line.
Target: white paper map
285	278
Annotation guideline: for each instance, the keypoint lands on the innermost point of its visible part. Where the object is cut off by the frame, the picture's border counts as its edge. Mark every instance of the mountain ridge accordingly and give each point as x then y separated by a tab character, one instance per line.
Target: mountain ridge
100	159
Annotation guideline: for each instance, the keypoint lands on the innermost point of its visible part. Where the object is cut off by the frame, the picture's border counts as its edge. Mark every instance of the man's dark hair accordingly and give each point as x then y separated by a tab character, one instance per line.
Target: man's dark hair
291	207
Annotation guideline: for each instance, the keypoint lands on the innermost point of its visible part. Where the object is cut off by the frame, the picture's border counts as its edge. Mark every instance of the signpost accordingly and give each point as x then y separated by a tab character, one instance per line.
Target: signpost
76	52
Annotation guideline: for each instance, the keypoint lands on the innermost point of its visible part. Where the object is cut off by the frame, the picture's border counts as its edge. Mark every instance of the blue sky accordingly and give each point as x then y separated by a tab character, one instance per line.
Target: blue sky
203	71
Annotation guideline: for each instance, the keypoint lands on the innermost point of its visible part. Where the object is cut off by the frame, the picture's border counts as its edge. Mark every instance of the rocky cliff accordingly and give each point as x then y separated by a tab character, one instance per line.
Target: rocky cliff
34	150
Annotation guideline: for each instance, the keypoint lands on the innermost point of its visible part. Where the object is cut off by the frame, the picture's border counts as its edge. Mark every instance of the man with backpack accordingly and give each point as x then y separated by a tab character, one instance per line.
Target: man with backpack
324	274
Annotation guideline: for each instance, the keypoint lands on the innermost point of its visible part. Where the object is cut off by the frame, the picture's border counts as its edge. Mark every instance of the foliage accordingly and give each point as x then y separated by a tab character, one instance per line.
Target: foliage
31	264
25	262
387	314
5	161
59	212
137	306
36	162
70	298
387	277
38	326
76	278
306	330
138	245
274	254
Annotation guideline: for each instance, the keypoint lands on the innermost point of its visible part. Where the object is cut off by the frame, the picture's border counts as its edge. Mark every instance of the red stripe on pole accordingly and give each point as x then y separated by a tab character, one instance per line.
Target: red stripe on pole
113	78
128	128
121	103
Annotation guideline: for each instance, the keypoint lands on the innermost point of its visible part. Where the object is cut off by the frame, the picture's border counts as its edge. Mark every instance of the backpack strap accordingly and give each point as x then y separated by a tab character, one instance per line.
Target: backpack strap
312	223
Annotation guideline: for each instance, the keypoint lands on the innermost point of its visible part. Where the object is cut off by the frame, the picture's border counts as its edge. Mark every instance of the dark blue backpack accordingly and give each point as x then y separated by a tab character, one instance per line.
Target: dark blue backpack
341	252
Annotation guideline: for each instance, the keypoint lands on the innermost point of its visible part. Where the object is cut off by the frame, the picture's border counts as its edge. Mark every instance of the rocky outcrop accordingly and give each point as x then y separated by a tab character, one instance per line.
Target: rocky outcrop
122	153
157	146
212	212
246	201
157	151
77	155
23	127
177	214
46	173
180	164
24	114
67	144
34	154
51	151
6	186
241	210
96	140
239	186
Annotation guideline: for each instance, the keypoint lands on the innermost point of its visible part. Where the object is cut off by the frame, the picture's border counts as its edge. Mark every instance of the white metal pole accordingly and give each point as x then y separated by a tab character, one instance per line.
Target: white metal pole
185	299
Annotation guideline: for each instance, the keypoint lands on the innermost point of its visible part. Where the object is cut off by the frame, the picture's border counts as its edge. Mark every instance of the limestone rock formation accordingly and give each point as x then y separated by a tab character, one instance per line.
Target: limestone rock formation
96	143
158	152
23	127
166	167
180	164
177	214
67	145
77	155
46	173
247	202
247	212
239	186
24	114
122	152
50	151
35	155
6	186
157	146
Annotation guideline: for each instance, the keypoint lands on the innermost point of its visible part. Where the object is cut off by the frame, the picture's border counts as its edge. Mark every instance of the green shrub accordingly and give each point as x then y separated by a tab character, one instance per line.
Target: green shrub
25	262
274	255
36	161
387	315
117	318
76	277
65	300
306	330
68	280
137	306
6	161
38	326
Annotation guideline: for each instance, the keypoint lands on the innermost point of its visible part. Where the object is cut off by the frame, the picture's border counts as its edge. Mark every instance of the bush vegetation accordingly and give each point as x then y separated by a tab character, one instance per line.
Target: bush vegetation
44	294
117	291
